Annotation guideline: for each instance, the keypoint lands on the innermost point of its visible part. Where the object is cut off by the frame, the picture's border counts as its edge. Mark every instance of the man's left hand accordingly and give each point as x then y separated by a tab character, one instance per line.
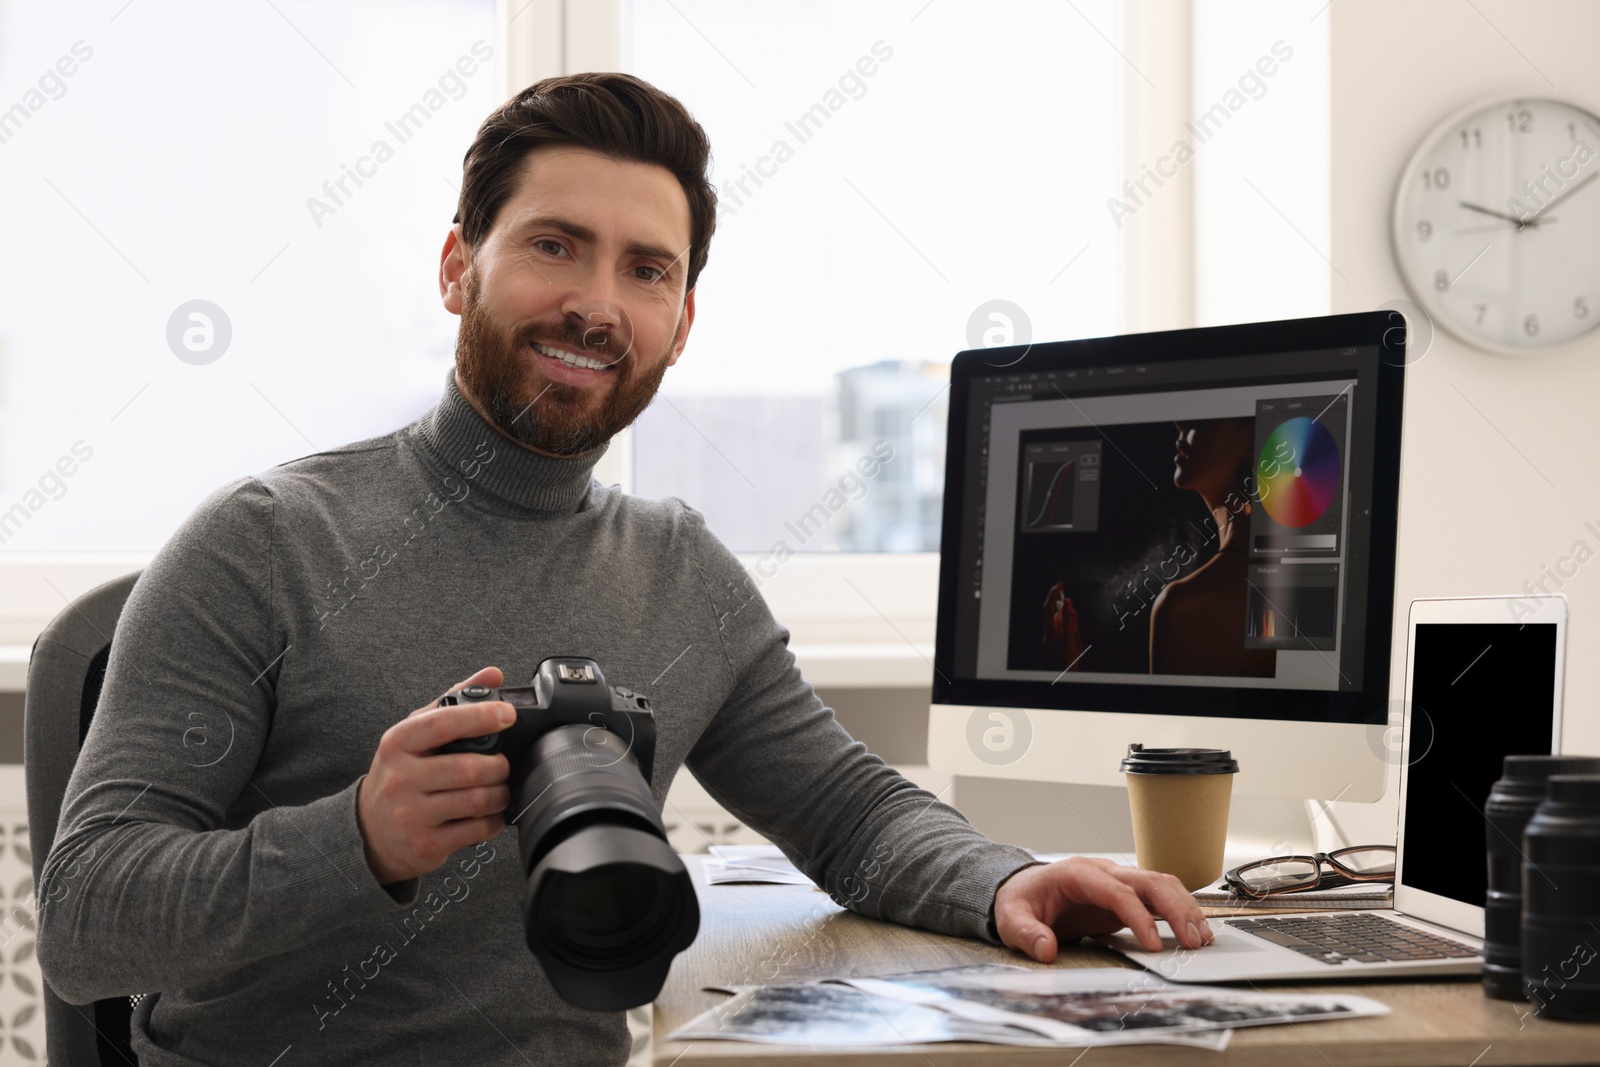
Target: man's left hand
1081	895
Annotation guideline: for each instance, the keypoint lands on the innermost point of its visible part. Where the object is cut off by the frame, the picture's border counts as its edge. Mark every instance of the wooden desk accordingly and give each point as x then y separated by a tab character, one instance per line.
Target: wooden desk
771	933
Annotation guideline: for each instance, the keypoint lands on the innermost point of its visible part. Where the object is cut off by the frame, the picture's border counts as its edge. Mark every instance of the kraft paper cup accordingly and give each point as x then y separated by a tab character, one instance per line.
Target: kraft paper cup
1179	798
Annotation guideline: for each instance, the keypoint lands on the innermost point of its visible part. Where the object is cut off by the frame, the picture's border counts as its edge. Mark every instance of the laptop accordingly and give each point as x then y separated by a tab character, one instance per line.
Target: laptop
1483	681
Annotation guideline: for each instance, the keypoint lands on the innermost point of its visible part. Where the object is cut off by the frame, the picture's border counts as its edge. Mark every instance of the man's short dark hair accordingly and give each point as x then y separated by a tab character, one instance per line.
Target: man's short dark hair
616	114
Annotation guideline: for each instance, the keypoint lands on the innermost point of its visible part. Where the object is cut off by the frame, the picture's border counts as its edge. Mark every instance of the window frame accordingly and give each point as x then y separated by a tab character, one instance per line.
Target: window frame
856	619
811	594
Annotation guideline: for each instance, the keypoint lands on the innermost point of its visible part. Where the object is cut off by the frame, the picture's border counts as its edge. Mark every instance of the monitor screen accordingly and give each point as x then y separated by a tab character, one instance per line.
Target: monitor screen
1192	522
1464	676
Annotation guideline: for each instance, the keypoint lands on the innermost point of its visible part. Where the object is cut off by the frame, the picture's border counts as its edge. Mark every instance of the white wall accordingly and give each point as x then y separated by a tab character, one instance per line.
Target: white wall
1261	181
1477	516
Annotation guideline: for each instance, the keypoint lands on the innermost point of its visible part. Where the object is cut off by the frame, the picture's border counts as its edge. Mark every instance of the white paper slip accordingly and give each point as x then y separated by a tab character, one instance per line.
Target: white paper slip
746	852
1357	895
764	864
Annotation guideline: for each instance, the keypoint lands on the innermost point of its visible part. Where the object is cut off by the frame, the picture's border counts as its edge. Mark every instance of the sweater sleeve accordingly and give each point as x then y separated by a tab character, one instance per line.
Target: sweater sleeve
777	758
146	887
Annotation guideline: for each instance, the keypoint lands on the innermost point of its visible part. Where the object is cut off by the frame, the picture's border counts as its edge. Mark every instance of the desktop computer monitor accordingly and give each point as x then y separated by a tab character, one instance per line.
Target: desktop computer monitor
1183	538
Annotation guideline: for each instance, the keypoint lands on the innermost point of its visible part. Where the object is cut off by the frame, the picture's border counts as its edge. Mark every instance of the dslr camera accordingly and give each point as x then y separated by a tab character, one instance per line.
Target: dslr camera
608	903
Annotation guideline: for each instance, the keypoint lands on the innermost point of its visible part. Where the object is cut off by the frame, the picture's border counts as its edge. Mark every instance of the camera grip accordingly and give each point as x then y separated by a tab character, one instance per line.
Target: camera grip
488	745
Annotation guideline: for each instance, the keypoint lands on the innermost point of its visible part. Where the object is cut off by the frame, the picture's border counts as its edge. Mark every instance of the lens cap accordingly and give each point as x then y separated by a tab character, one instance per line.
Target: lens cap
1579	790
1143	760
1540	768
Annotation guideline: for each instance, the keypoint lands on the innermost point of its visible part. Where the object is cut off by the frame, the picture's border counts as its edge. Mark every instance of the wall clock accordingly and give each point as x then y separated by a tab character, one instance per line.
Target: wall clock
1497	224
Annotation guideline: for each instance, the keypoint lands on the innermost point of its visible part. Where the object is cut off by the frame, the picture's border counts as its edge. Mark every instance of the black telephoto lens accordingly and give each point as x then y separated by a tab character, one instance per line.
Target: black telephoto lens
1561	900
1512	802
608	903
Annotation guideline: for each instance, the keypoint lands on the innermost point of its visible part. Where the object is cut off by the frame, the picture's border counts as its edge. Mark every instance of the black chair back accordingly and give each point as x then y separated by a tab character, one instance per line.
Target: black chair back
65	673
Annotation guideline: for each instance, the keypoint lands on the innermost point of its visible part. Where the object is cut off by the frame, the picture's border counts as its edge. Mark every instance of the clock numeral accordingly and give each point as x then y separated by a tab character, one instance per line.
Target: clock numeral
1473	141
1439	178
1580	308
1520	120
1441	280
1480	309
1424	230
1530	326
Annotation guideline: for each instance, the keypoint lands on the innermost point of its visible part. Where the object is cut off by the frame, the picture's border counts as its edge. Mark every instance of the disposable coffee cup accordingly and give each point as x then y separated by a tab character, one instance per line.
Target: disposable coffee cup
1179	798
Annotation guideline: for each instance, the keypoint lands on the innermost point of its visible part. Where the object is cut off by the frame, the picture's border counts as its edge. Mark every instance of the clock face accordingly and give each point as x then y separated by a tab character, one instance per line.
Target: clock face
1497	225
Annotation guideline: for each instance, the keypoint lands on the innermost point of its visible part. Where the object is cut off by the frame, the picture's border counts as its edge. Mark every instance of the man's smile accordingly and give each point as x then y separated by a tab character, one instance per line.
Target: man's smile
570	366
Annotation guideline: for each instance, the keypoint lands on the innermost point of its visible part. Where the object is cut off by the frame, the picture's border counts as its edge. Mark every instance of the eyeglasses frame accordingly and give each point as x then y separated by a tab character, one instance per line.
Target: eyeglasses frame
1235	882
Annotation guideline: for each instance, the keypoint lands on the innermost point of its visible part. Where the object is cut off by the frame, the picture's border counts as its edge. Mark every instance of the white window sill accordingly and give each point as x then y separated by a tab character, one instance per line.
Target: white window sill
14	668
866	666
824	666
855	620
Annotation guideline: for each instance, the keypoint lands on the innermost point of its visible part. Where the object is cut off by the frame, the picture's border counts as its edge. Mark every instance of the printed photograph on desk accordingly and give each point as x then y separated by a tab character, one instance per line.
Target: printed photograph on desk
1086	1006
837	1015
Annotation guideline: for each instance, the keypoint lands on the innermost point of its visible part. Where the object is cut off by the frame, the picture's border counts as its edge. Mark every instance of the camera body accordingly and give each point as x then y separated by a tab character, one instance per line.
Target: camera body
608	903
566	691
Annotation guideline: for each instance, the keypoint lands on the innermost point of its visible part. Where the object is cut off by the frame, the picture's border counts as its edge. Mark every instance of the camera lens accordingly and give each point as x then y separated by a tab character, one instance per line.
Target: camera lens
1561	900
608	904
613	913
1512	802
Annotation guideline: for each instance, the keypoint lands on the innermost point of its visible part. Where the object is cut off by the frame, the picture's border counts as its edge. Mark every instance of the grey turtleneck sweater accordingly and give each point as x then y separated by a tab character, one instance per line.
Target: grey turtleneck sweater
209	849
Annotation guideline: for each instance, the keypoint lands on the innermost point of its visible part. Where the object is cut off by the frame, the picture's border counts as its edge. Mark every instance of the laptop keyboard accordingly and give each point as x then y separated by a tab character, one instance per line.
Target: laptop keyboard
1359	937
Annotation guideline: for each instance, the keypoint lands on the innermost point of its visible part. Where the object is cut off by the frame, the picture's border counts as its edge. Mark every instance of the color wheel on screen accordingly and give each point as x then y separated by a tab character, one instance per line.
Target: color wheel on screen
1306	480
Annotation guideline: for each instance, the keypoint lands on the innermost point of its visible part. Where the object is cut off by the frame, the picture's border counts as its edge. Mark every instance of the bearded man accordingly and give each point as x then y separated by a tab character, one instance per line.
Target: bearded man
330	888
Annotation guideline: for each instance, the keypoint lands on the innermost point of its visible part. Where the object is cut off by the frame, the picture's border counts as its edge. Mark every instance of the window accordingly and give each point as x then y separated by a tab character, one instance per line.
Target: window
897	182
900	181
295	167
1263	181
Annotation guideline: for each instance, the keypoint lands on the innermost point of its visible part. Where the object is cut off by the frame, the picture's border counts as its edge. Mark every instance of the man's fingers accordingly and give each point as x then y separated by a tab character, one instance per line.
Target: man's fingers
1021	929
460	770
493	677
460	833
1083	895
1105	889
1167	897
444	808
1141	895
1039	942
432	727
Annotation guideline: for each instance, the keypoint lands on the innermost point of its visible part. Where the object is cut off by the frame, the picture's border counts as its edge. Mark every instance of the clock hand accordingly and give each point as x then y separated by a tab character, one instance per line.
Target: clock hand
1564	195
1503	226
1500	214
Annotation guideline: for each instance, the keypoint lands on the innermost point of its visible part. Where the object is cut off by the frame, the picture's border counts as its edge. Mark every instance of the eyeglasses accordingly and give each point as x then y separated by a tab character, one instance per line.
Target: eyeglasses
1289	874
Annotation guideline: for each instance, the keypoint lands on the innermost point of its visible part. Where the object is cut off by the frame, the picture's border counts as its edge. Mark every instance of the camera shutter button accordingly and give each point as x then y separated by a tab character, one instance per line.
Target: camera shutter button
477	692
624	692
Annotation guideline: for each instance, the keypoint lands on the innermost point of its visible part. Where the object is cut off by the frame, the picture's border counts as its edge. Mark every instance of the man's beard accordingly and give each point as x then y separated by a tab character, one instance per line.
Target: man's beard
550	416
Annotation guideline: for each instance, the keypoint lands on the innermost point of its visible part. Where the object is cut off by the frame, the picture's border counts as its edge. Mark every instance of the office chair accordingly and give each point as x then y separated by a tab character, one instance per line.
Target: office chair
65	672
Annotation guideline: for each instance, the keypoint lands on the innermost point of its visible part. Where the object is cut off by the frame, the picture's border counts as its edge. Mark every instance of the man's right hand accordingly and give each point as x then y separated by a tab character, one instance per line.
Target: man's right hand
415	808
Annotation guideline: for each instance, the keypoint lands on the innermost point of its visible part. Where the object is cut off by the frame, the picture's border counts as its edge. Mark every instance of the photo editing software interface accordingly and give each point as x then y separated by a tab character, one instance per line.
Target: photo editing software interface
1193	522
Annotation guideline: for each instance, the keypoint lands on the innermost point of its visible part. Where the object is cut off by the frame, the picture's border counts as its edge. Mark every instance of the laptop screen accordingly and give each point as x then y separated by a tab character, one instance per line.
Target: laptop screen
1480	692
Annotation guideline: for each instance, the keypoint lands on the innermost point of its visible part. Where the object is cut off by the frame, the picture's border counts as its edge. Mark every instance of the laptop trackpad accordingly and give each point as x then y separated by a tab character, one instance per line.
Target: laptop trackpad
1229	943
